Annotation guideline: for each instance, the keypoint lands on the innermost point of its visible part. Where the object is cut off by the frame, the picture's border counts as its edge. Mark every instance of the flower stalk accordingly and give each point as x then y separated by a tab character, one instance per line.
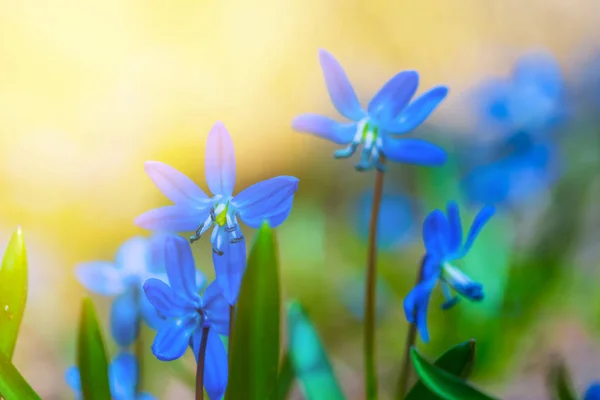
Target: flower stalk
200	366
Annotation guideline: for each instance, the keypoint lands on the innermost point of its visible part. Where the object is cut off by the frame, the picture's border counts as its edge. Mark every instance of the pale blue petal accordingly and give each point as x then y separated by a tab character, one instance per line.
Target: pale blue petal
101	277
541	71
181	268
413	151
216	308
339	87
416	304
215	365
173	218
73	379
220	161
435	234
174	185
125	318
393	97
478	223
265	200
173	338
158	242
150	313
168	302
325	127
455	227
417	112
230	268
123	376
133	256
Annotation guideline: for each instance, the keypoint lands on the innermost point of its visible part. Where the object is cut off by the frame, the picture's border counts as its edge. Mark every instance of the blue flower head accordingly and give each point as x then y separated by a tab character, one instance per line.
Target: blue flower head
442	235
187	314
122	375
135	262
389	113
593	392
193	210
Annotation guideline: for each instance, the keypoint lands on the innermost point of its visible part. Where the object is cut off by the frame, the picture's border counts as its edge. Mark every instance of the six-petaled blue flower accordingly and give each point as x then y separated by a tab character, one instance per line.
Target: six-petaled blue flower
443	239
123	378
187	314
389	113
270	200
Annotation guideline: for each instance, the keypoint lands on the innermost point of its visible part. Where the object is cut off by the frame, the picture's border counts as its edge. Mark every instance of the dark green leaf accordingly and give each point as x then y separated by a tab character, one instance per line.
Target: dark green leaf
442	383
12	385
309	360
255	345
458	361
559	382
91	355
13	292
285	378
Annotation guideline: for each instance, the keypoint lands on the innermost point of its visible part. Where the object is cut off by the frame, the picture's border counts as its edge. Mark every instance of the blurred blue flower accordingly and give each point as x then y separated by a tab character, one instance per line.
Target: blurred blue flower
395	218
122	375
187	314
593	392
443	239
352	293
389	113
136	261
269	200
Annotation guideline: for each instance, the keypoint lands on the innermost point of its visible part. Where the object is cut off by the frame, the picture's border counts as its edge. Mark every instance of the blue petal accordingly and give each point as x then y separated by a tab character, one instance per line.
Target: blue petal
230	268
418	111
124	318
265	200
539	70
73	379
435	234
219	161
451	300
216	308
173	218
174	185
215	365
339	87
181	268
325	127
145	396
593	392
101	277
123	376
173	338
413	151
168	302
150	313
393	97
455	227
478	223
133	256
416	304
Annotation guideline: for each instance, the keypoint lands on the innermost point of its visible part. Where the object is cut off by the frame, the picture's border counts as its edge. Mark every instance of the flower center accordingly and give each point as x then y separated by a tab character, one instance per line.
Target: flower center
223	216
369	135
461	283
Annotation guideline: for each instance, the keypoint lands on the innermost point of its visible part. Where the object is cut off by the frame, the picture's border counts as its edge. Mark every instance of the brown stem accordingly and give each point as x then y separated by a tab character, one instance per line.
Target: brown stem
200	366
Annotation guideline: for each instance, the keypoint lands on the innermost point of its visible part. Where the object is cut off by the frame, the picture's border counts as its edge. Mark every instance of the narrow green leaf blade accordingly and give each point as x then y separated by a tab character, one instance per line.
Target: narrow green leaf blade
442	383
285	378
309	360
457	360
254	359
559	382
91	355
12	384
13	292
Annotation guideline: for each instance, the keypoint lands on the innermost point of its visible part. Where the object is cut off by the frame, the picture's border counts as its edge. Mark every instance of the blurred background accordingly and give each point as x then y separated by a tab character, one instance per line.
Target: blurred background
91	90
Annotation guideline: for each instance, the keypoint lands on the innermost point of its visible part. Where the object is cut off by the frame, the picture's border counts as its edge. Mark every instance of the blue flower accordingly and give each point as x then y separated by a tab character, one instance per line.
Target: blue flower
134	263
389	113
593	392
269	200
122	375
442	235
187	314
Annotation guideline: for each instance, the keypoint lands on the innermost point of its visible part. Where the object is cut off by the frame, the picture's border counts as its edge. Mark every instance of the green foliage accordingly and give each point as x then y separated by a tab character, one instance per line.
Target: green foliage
12	385
255	346
559	382
309	360
91	355
458	361
285	379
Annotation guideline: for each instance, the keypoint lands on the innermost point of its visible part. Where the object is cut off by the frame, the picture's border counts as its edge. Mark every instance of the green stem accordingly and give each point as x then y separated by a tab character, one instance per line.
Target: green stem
369	343
411	338
200	366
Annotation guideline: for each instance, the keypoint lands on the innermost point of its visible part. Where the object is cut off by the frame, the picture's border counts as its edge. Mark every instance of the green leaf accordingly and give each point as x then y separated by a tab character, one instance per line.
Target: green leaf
12	385
13	292
91	355
458	361
559	382
254	358
309	360
285	378
442	383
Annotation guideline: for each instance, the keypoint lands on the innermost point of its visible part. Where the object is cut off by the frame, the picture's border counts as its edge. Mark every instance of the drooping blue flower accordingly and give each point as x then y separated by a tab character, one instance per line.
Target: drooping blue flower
187	314
136	261
122	375
593	392
443	239
389	113
193	210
